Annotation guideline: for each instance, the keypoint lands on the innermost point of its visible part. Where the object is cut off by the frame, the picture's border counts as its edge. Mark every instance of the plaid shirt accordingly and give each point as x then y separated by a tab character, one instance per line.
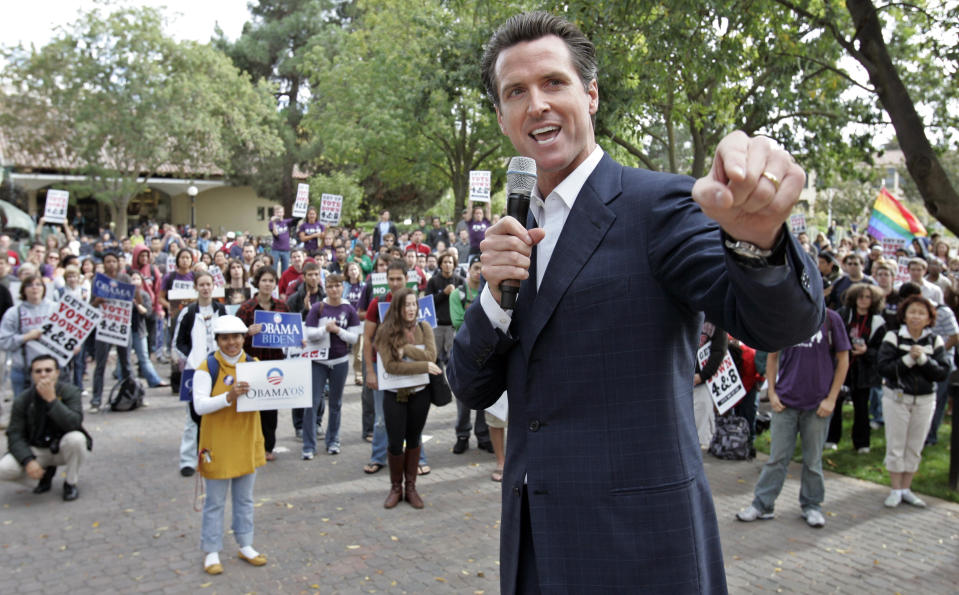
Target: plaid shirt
245	313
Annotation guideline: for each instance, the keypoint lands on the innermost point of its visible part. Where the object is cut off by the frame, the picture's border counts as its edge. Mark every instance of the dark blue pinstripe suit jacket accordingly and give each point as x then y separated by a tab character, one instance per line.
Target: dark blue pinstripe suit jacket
599	365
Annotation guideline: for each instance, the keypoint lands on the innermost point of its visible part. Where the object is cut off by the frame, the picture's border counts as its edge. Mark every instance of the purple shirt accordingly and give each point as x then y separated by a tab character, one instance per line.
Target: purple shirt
310	228
477	231
354	293
806	370
281	233
345	317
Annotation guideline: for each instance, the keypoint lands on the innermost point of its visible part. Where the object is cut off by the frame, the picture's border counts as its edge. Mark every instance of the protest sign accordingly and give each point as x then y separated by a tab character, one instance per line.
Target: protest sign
380	287
480	186
68	327
413	279
186	385
890	245
181	289
387	381
902	275
278	384
218	279
427	310
302	201
331	206
797	223
280	329
725	386
55	210
116	310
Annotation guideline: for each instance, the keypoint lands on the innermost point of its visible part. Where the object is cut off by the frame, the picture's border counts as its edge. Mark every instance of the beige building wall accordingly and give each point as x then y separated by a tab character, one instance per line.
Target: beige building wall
224	209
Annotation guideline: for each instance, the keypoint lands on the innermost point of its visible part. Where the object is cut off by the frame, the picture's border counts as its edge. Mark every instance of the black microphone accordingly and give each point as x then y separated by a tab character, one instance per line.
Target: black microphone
520	179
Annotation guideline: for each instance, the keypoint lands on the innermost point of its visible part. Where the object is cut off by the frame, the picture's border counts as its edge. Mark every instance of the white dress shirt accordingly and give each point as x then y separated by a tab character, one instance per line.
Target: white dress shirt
551	216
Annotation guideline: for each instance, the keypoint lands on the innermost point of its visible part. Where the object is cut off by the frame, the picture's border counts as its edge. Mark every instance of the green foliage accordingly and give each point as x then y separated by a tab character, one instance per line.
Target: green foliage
675	78
113	98
272	50
401	104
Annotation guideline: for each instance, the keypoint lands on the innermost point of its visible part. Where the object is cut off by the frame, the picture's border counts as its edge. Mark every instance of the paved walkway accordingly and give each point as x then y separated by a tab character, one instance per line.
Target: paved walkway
323	527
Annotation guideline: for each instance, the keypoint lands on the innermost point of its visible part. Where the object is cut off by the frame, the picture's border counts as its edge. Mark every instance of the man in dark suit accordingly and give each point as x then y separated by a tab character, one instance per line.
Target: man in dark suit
383	227
604	489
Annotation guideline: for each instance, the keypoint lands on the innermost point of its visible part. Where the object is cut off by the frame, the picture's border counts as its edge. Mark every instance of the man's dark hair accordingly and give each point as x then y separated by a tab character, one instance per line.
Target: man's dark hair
43	356
531	26
850	257
397	264
909	289
113	254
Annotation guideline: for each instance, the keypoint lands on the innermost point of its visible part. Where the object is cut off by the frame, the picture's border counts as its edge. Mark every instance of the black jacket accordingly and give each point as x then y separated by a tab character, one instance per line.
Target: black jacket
864	369
34	422
901	371
184	333
297	301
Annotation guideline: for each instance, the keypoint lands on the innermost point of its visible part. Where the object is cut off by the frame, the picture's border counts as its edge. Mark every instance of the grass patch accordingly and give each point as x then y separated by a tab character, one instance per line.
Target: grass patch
932	477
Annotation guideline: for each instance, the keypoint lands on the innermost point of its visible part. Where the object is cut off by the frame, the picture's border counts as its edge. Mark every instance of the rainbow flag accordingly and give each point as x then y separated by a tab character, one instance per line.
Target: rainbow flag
890	219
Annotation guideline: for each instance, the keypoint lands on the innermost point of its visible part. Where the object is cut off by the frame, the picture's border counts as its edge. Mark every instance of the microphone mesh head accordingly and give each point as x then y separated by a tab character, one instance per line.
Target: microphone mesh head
520	175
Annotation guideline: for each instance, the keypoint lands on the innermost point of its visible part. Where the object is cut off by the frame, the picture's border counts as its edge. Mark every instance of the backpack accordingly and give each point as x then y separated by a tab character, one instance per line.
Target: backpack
213	366
127	394
731	440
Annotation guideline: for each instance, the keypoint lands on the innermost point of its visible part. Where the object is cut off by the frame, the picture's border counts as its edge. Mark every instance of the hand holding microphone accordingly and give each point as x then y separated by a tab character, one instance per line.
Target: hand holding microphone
508	245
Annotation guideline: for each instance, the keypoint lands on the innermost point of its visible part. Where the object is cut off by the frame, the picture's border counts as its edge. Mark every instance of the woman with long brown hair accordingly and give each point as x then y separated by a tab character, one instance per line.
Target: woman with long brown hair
405	347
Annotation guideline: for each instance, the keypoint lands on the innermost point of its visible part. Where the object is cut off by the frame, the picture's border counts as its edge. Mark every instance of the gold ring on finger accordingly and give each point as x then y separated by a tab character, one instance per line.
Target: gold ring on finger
772	178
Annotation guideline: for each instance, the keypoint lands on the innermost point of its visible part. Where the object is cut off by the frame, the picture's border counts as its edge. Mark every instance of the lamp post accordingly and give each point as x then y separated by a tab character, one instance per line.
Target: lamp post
192	192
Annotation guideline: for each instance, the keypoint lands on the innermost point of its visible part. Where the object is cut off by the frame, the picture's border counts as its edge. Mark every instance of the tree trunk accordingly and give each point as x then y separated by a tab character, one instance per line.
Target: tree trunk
938	194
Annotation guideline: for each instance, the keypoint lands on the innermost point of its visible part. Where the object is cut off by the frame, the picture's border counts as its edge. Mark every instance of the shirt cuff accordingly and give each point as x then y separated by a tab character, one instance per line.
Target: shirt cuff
498	317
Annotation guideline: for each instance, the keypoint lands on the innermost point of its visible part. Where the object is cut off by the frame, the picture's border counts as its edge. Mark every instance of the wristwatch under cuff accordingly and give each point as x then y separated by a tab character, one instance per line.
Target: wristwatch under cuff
751	255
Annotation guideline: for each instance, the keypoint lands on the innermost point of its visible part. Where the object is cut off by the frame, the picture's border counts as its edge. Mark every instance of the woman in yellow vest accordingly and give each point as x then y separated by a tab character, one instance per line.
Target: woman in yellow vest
231	446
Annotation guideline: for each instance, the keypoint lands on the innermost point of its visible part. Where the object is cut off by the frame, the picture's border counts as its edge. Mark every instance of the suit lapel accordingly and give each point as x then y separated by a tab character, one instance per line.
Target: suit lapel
585	228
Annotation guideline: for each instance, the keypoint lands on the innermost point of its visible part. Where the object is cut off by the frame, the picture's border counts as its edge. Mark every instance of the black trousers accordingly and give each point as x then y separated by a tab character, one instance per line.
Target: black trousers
268	425
405	421
860	424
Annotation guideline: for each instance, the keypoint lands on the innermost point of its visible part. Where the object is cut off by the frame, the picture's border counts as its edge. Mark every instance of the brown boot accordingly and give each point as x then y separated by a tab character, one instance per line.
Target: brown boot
412	461
396	480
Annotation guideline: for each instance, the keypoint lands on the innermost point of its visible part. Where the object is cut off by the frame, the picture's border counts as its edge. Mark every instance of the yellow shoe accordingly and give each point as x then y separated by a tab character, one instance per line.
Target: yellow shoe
259	560
214	569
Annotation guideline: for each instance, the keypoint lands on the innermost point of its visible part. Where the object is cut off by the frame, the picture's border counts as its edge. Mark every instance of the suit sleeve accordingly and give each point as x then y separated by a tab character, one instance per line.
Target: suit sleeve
693	266
478	361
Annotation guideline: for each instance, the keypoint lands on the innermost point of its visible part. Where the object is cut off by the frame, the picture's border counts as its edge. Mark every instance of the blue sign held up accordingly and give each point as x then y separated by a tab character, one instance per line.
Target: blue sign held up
427	310
280	329
111	289
186	385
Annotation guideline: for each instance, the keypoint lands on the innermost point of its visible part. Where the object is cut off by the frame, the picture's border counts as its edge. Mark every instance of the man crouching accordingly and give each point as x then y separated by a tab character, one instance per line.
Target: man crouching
45	431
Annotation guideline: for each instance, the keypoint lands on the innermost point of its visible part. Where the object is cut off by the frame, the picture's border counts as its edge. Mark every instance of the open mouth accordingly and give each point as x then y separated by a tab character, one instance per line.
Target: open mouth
545	134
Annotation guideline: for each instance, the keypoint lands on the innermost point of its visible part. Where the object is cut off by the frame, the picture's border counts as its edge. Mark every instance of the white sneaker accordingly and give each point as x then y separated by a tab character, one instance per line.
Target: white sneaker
909	498
863	451
830	446
814	518
751	513
875	425
308	456
893	499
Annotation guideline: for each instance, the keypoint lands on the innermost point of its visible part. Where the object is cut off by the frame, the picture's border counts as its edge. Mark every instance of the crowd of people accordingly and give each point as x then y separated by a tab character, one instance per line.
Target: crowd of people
887	346
324	273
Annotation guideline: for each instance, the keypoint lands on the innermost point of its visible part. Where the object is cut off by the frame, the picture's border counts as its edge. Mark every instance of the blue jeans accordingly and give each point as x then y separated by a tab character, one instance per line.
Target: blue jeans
123	361
20	380
281	260
337	378
213	509
875	404
147	371
783	429
378	451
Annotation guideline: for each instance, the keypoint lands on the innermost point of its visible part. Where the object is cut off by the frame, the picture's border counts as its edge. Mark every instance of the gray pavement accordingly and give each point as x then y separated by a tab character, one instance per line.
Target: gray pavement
322	525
